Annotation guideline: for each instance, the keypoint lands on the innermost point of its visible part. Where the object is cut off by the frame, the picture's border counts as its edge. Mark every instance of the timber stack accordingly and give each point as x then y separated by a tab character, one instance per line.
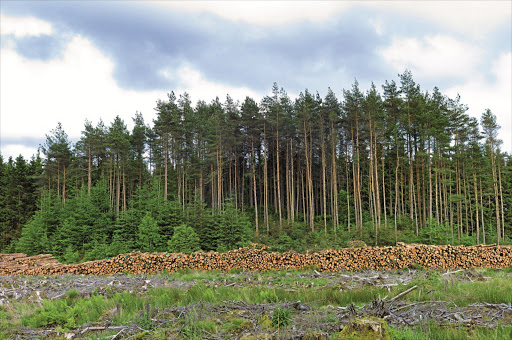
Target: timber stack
257	258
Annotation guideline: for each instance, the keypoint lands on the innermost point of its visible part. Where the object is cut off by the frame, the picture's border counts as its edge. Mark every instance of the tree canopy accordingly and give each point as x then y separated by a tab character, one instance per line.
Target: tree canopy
401	165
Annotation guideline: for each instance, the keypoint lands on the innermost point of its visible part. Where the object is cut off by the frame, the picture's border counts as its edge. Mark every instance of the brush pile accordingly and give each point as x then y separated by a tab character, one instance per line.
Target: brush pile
256	258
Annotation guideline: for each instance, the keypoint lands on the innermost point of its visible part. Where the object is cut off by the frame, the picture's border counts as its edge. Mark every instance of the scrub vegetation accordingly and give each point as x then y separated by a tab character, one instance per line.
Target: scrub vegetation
459	304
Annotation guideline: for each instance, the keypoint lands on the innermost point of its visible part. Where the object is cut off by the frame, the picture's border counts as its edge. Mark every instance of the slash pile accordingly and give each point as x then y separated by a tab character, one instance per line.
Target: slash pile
256	258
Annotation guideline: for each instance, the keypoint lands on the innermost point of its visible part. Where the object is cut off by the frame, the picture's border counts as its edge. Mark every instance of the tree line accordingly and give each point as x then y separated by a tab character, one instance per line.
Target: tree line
401	165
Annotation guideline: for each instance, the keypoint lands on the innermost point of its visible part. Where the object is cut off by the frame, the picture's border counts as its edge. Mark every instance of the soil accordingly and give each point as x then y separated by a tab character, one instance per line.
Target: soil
307	321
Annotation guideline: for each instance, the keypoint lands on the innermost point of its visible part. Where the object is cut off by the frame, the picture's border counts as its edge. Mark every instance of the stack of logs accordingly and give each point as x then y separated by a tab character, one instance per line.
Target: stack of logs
256	258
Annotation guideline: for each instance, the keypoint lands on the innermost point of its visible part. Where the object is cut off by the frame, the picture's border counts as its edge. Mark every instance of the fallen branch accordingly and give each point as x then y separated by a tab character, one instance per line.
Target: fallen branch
399	296
101	328
453	272
118	333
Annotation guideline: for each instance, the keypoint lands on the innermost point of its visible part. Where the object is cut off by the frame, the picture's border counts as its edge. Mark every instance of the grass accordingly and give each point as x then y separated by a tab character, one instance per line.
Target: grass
433	331
463	293
142	309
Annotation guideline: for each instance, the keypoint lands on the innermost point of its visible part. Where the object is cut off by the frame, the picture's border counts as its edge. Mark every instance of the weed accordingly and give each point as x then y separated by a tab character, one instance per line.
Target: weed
269	296
281	317
191	328
72	294
145	318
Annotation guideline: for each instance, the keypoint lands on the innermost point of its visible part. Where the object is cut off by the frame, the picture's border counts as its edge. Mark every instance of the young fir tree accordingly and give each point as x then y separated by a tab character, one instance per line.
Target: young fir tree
185	240
148	236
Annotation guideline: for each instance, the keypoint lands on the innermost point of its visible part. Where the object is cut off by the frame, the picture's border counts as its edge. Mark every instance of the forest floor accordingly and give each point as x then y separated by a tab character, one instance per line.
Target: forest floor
306	304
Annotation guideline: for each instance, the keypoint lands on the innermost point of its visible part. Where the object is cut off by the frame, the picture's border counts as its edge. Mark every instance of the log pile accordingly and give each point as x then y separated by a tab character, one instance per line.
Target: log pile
20	264
256	258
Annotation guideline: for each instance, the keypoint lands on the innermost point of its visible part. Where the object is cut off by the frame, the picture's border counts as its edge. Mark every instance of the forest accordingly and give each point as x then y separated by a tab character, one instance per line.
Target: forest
400	164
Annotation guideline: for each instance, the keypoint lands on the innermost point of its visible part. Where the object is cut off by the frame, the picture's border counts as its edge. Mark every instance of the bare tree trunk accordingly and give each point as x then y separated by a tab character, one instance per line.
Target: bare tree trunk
278	177
124	189
89	172
384	192
501	200
324	188
64	185
292	186
496	198
396	195
476	208
334	182
219	175
311	193
58	179
254	187
166	166
347	184
118	186
482	210
265	179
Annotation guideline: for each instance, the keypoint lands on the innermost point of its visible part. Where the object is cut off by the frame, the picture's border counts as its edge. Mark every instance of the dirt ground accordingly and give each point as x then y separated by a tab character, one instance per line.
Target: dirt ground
307	321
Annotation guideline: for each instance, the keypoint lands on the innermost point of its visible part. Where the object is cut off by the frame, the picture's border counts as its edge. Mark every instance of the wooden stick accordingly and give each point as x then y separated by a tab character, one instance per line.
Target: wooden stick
402	294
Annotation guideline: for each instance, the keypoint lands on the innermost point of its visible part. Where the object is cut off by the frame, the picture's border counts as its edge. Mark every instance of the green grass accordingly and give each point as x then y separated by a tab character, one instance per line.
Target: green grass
433	331
446	288
139	308
68	312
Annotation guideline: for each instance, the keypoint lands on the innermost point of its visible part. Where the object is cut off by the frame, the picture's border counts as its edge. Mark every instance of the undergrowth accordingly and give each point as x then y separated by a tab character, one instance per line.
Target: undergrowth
143	308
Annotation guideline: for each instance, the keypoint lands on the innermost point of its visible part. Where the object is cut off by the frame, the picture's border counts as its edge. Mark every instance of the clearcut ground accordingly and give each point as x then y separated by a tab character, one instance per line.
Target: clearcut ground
305	304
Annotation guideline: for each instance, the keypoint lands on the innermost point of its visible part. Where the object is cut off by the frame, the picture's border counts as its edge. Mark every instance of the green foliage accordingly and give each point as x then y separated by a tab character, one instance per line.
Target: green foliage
148	236
184	240
281	317
105	195
119	245
191	328
70	255
68	312
144	318
34	239
97	249
234	229
436	233
432	330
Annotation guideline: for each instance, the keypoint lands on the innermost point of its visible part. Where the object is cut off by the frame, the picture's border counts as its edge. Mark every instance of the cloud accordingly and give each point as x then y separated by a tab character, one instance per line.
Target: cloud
496	94
23	27
267	13
438	56
107	58
474	18
79	85
234	53
194	83
14	150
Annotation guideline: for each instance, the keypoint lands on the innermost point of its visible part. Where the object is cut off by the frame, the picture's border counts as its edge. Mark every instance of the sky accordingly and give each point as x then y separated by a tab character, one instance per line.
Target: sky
68	61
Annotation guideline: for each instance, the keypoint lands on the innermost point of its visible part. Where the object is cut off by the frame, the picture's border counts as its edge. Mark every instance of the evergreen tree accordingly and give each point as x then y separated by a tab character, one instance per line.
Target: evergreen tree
185	240
148	236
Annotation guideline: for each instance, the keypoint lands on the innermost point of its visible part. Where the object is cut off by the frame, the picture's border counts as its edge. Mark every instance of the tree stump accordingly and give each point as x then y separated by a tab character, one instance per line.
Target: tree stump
367	328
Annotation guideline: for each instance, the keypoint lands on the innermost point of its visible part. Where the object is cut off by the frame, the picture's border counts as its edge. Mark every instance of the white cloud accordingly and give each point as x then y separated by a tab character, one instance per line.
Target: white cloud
14	150
377	25
433	57
35	95
263	12
193	82
476	18
79	85
21	27
481	94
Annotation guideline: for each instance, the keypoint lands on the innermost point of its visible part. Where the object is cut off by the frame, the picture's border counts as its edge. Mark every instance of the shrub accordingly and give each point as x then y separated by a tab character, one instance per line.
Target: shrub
281	317
184	240
148	235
